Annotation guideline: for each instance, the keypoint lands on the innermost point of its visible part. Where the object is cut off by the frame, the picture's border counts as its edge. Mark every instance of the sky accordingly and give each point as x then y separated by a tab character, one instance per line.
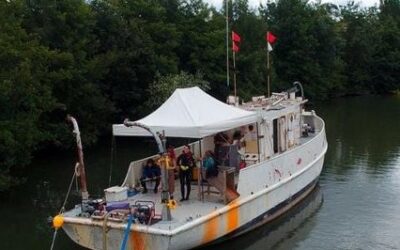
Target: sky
255	3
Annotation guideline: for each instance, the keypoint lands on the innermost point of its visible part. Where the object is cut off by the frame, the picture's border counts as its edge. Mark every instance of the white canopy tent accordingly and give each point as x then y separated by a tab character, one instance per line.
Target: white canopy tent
190	113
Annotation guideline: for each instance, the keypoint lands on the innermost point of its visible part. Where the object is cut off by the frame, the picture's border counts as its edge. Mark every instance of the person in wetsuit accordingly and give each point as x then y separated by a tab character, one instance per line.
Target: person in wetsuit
185	162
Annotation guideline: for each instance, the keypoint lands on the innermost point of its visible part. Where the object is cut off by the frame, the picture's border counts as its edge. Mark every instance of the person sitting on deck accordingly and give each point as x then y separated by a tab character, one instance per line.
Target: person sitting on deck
185	162
151	171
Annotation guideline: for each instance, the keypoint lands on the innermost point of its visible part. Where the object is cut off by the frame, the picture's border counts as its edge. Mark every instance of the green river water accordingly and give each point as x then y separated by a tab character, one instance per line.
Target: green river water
357	204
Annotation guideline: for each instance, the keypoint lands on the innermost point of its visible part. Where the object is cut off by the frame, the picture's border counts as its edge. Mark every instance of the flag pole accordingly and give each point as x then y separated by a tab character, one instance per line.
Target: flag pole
268	71
234	75
227	42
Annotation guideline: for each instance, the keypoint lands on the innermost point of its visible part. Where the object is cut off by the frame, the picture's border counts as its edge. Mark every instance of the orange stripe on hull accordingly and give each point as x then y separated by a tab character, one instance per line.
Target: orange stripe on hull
137	240
232	217
211	230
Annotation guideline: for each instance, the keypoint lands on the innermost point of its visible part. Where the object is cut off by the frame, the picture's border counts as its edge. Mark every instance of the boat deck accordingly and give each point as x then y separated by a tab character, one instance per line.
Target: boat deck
184	211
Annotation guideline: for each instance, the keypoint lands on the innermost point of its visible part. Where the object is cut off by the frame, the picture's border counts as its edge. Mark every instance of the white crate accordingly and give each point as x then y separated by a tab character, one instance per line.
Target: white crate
116	193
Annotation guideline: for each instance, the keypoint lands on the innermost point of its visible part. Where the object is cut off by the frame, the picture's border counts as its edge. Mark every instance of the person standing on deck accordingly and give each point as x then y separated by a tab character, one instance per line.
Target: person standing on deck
171	167
185	162
251	134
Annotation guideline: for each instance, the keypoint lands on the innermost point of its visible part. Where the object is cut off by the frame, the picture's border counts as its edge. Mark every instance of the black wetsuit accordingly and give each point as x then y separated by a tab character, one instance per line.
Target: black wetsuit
186	163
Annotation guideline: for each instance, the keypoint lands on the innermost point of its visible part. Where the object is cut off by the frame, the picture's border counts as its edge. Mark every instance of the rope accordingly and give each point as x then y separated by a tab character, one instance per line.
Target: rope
76	184
63	206
111	159
77	172
54	239
68	192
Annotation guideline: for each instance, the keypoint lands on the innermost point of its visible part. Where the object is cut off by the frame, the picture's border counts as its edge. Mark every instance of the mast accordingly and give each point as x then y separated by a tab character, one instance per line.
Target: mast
81	166
268	70
234	74
227	42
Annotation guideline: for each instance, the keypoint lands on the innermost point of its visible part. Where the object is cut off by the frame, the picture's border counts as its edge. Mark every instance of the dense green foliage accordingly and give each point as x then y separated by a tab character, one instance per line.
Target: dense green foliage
105	60
164	86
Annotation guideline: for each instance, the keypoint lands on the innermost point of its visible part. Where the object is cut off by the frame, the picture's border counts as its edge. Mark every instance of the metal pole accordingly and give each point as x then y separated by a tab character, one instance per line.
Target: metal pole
82	174
166	212
258	143
268	71
234	75
200	176
227	42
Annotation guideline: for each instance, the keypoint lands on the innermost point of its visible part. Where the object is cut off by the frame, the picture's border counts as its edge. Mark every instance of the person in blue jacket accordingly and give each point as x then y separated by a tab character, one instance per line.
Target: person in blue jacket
210	164
151	171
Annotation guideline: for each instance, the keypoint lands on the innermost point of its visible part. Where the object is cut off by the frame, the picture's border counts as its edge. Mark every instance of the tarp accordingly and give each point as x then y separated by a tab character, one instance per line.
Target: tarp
190	113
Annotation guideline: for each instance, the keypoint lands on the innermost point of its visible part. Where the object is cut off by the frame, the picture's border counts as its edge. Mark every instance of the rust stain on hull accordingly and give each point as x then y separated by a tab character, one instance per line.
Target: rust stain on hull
137	240
232	217
210	230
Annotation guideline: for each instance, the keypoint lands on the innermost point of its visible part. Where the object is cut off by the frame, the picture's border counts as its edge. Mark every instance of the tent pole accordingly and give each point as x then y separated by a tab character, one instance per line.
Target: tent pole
258	143
199	176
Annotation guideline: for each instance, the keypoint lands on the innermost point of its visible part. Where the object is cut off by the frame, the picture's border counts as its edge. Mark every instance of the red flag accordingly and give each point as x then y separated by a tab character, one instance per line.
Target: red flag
235	37
271	38
235	48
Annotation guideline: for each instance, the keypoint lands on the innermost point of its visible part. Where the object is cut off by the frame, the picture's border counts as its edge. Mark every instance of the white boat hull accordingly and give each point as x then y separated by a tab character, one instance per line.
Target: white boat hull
267	190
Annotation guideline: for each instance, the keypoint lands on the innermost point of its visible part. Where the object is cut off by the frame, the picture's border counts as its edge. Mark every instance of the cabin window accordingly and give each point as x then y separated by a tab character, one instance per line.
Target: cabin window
275	135
290	131
282	130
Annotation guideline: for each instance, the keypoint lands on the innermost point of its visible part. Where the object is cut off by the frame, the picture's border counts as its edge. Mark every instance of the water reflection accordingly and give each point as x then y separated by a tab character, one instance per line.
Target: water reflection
362	131
282	233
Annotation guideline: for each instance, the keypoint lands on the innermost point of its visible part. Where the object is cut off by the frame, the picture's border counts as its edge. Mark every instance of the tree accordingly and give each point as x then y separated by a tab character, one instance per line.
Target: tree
164	86
25	92
308	46
386	60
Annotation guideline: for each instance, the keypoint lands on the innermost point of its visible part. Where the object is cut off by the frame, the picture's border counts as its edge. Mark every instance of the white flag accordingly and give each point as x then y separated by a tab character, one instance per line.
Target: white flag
269	47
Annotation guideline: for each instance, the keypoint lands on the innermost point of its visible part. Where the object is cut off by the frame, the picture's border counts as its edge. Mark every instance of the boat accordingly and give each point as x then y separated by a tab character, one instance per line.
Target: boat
277	166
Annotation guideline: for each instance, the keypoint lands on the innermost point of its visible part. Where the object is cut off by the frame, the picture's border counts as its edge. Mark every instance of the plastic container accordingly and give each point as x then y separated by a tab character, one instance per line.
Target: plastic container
116	193
132	192
117	205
